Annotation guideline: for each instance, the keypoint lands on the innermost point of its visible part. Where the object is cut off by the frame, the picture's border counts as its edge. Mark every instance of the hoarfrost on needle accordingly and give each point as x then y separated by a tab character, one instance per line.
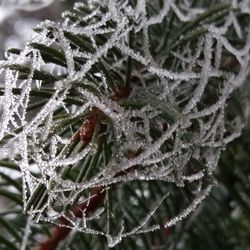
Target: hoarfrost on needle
166	123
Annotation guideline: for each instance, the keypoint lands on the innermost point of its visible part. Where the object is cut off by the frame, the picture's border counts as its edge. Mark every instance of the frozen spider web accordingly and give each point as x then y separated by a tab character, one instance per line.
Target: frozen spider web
174	116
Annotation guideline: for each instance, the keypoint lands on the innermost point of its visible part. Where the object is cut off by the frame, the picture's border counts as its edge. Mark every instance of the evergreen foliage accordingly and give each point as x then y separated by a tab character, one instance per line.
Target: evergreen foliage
113	123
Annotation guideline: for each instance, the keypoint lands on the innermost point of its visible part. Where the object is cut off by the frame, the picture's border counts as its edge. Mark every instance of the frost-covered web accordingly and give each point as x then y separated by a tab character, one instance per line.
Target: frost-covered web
173	118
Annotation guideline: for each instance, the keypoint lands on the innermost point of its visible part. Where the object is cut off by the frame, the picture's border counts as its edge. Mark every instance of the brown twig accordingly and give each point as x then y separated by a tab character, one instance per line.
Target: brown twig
166	233
59	233
88	127
85	133
97	197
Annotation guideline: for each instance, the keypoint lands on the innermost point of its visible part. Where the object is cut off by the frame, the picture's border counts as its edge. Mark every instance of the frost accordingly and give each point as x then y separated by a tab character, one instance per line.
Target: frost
26	233
98	101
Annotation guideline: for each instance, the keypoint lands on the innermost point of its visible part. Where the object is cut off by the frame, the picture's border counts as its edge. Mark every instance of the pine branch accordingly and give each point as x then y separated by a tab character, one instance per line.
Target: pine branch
128	95
59	233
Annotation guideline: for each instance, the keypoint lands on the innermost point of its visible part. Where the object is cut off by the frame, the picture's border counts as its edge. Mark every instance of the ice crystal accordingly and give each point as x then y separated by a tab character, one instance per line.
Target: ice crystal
170	126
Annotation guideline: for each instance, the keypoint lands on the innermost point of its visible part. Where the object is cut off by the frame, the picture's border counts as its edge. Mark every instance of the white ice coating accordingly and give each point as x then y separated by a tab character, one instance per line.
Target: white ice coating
173	100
